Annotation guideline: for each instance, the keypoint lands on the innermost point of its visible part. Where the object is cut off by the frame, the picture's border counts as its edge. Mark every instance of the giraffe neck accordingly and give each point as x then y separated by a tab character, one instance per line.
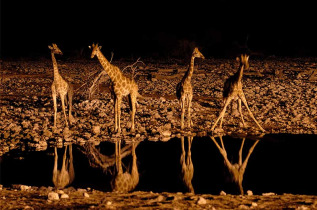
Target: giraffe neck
240	72
111	70
190	70
56	73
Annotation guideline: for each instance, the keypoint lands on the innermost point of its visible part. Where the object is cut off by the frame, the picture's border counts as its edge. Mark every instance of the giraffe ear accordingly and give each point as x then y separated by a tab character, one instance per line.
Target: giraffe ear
238	59
100	47
49	47
89	47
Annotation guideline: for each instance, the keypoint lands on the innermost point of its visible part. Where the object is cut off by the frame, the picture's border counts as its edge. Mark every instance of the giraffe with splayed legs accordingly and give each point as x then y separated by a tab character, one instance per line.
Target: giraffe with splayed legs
61	87
125	182
184	89
121	86
233	91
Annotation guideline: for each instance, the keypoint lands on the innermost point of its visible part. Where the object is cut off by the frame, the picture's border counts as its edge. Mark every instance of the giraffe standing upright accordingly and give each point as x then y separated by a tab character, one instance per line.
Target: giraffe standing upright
121	86
233	91
61	87
187	164
184	89
66	175
125	182
236	170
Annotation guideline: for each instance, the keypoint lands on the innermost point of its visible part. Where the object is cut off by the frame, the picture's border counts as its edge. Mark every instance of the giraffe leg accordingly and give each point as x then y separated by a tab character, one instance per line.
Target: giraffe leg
246	104
63	106
70	102
55	104
189	100
221	114
119	100
115	113
183	112
133	108
240	111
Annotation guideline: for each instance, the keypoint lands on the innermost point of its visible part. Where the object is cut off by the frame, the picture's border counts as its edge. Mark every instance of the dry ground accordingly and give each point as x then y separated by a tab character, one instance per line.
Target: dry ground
281	93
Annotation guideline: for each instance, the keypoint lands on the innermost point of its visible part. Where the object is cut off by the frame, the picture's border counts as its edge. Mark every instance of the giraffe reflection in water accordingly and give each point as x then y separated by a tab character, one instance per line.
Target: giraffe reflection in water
121	181
187	164
236	170
127	181
65	176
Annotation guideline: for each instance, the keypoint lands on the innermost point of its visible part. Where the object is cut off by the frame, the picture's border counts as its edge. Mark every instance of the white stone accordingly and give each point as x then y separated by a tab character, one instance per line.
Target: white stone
86	195
64	196
201	201
249	192
223	193
53	196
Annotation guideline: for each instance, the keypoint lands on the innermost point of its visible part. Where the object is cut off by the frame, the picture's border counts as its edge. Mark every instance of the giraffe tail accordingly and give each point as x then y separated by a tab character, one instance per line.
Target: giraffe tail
143	97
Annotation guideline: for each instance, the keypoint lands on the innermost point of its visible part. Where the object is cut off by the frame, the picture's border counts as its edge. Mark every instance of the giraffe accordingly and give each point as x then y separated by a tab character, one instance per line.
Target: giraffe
184	89
125	182
121	86
187	164
61	87
233	91
236	170
66	175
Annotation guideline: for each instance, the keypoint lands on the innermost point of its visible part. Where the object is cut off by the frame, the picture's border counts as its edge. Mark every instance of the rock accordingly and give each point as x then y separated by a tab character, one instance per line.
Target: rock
201	201
223	193
24	187
249	192
96	129
53	196
86	195
166	133
253	205
268	194
64	196
242	206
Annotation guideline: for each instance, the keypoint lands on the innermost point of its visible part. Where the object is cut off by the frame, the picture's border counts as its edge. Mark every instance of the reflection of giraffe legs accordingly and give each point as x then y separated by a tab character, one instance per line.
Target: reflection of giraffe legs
65	176
187	164
236	170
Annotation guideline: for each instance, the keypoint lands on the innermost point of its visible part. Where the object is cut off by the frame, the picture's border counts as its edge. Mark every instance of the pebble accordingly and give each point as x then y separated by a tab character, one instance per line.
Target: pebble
64	196
53	196
86	195
249	192
201	201
223	193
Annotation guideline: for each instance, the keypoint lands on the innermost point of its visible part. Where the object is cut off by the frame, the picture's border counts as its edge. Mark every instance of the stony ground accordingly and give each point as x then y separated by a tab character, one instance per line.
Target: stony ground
281	92
25	197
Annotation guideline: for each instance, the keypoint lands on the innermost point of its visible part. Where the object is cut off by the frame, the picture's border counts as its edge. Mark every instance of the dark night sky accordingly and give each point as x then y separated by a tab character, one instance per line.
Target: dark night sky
157	27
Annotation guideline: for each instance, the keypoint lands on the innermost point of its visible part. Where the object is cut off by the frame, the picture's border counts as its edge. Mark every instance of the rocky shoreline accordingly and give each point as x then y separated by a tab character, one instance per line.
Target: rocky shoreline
280	92
28	197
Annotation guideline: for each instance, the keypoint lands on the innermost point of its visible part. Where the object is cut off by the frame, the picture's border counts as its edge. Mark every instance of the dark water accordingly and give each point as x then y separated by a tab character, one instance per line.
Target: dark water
278	163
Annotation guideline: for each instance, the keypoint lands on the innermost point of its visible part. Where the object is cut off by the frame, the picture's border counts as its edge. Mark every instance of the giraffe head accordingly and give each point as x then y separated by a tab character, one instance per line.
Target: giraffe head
244	60
54	49
198	54
95	48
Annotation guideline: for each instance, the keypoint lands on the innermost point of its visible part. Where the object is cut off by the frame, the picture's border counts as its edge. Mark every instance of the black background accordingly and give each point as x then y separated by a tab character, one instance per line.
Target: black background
158	28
